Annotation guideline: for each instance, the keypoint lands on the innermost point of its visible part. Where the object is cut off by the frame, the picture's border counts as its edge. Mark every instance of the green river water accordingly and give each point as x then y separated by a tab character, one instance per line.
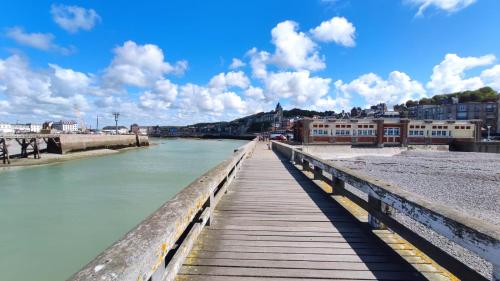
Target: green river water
56	218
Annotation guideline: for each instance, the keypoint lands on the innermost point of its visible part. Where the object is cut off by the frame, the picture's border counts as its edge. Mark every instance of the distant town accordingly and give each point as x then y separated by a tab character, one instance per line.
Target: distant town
437	120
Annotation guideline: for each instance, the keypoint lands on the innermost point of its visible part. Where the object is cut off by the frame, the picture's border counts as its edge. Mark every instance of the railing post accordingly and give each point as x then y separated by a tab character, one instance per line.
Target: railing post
318	173
338	186
211	206
375	204
496	270
305	165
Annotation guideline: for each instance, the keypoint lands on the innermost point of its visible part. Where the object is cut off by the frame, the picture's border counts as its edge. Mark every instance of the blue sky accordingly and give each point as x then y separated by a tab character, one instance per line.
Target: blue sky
169	62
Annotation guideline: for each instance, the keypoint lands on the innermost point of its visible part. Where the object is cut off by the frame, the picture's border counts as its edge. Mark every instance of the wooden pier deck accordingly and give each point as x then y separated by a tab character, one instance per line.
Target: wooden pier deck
275	224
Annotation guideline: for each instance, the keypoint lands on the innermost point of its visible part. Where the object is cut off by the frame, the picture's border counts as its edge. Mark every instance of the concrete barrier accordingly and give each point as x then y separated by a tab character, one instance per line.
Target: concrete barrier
156	248
473	234
72	143
483	146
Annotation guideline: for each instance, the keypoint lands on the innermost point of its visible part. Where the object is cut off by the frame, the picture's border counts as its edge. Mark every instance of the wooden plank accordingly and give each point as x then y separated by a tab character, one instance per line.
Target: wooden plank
290	250
183	277
296	244
283	238
274	224
306	265
300	273
299	233
300	257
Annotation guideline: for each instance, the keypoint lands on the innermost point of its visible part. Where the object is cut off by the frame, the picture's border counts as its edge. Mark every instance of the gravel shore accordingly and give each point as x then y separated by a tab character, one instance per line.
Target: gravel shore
468	182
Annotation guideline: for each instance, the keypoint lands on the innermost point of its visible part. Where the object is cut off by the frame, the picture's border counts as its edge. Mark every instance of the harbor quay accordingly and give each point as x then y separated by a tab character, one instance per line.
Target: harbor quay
35	145
274	211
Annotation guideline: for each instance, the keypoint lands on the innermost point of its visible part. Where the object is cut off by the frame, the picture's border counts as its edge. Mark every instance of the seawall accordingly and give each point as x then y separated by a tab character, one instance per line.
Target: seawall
484	146
72	143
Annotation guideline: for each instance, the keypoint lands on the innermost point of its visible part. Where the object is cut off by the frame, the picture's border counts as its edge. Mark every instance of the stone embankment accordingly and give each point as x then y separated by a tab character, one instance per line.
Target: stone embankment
73	143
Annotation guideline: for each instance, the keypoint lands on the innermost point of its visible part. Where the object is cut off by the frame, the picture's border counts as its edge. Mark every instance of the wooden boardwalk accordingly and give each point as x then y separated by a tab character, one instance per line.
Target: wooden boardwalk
275	224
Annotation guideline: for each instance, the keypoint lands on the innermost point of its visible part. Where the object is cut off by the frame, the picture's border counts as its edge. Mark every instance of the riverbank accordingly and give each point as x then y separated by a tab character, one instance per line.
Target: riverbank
53	158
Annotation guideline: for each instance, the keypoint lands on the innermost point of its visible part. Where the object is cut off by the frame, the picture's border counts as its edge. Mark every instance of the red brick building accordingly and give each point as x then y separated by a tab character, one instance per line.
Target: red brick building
384	132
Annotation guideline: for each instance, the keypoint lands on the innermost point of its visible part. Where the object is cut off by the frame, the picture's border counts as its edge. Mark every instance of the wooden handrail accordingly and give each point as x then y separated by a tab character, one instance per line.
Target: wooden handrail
155	249
473	234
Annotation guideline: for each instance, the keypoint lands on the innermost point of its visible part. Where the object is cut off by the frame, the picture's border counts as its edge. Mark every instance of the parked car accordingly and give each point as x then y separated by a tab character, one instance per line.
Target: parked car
279	138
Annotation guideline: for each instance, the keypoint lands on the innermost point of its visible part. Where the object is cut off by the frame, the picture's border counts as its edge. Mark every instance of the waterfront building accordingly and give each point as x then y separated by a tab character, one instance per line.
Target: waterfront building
66	126
488	112
6	128
384	131
111	130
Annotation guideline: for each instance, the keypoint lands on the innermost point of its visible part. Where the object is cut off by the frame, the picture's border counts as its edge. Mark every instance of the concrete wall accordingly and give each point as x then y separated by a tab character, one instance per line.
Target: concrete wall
489	147
73	143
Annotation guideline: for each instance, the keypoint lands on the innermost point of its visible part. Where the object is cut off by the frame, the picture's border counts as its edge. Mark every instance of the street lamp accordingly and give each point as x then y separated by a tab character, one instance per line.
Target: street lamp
116	115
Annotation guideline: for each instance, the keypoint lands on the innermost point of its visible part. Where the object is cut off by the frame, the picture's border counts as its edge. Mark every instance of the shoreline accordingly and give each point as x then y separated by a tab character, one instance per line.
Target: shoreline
52	158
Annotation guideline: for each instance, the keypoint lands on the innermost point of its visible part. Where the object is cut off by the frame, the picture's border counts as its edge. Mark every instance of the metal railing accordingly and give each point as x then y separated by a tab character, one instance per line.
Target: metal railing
156	248
472	234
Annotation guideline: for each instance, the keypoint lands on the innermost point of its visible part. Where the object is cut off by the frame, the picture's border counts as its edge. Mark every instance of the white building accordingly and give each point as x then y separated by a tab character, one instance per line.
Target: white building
66	126
6	128
26	128
35	128
20	128
111	130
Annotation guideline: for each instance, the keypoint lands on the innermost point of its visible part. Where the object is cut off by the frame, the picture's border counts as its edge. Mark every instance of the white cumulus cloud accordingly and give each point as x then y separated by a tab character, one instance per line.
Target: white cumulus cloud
41	93
236	63
230	79
398	88
74	18
491	77
139	65
258	62
449	75
338	30
161	96
294	49
299	87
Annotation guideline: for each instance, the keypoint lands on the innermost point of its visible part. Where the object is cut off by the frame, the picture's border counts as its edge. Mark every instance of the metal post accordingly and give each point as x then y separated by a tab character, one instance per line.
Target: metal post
116	115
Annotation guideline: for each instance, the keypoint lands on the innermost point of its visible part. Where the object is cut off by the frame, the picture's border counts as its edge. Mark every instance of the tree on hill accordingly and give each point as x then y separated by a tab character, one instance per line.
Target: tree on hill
485	94
303	112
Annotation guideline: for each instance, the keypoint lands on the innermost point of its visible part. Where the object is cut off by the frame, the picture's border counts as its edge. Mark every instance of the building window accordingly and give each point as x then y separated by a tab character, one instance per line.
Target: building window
365	132
342	132
391	131
462	107
416	133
